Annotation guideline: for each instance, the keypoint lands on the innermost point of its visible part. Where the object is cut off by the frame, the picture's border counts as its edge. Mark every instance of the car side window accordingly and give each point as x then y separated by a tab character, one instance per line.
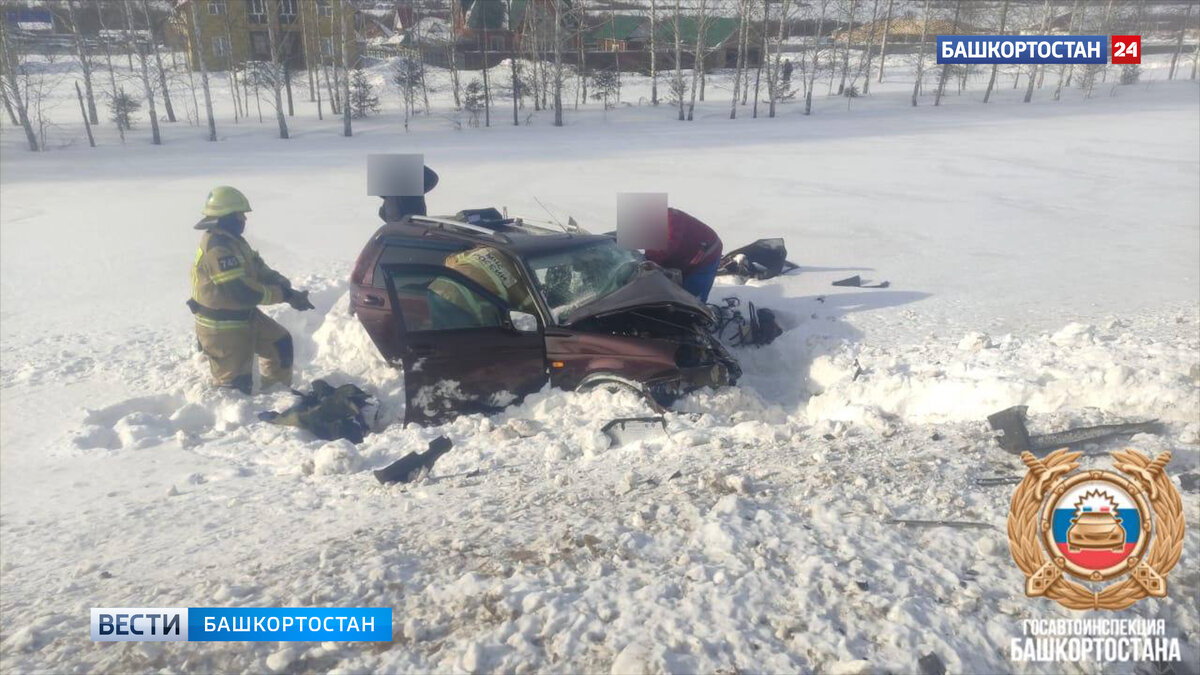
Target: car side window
409	251
430	301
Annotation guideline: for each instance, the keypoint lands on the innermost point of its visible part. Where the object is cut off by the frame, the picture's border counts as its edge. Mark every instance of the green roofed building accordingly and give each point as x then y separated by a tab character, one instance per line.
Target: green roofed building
619	33
719	31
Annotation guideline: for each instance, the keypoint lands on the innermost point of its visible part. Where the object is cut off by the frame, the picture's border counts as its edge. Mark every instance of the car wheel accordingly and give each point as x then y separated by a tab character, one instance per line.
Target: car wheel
617	383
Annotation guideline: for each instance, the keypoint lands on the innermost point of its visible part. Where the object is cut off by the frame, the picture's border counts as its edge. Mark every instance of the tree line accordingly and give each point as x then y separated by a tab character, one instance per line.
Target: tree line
777	51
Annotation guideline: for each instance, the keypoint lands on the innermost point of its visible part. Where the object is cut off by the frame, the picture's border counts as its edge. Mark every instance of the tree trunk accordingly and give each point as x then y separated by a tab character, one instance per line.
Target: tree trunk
678	62
1034	70
697	57
197	35
773	69
487	91
112	79
617	56
846	50
937	96
12	116
864	64
1062	70
278	70
12	88
162	72
921	56
762	57
307	44
87	126
453	46
654	52
741	58
992	79
558	112
347	128
155	137
1179	43
812	81
887	25
85	63
420	54
516	79
287	88
581	93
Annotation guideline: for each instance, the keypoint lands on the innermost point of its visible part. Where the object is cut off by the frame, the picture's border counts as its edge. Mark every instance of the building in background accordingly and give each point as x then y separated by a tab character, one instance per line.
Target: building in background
237	31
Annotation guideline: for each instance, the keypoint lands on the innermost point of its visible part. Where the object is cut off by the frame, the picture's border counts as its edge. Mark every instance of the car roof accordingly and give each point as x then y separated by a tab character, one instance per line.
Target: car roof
519	242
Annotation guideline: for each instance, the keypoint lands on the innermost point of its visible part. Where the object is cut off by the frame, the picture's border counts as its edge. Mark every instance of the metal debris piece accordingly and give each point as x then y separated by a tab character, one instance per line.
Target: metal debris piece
1014	435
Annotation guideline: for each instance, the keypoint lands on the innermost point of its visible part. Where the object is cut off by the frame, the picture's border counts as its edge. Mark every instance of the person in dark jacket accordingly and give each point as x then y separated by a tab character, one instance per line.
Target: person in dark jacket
395	208
694	249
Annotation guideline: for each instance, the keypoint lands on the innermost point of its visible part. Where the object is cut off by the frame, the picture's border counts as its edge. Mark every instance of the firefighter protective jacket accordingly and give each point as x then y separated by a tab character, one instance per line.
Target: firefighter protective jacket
230	279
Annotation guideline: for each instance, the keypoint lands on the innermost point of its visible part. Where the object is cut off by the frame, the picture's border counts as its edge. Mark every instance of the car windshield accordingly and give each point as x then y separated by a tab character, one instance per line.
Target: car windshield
574	277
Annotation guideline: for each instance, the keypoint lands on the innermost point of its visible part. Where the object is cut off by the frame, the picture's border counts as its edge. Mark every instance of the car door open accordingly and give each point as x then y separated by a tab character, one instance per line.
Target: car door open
462	352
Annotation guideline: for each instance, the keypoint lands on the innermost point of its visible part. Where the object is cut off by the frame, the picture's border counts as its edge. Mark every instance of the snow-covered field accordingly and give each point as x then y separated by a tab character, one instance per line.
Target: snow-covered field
1044	254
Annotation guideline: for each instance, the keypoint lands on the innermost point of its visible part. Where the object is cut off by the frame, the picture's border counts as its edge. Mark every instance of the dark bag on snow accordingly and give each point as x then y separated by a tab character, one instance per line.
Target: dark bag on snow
327	412
764	259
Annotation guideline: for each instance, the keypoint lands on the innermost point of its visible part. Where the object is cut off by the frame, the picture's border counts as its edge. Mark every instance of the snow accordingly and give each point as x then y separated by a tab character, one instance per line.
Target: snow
1044	255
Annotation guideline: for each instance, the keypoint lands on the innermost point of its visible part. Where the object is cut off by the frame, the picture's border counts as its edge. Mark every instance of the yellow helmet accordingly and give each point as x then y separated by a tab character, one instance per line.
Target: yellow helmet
223	200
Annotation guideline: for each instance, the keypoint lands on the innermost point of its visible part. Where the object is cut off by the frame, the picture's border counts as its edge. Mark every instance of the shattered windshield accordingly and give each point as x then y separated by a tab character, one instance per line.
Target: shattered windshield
574	277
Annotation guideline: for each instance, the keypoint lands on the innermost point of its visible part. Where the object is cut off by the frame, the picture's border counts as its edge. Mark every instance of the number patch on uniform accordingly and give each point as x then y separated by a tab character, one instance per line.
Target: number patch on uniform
229	262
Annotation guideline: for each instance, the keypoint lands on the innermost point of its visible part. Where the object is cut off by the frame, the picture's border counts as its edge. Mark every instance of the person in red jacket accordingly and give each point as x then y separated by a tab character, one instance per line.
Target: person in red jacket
693	249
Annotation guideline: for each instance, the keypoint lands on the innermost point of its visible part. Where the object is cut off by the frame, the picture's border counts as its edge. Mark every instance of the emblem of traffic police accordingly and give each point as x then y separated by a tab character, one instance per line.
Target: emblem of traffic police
1098	526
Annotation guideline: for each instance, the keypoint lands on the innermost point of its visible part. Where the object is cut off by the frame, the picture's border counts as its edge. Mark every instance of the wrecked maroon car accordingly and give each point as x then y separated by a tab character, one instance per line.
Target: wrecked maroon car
604	317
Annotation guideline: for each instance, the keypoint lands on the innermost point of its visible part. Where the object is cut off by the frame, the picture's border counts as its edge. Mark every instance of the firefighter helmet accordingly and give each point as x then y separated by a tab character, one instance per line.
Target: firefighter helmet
223	200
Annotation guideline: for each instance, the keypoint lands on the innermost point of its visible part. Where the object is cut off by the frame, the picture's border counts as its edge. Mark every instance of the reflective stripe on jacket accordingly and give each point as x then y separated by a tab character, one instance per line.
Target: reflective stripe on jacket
229	279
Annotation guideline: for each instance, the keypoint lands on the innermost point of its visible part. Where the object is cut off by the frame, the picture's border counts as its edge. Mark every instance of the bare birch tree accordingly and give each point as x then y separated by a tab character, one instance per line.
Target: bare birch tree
653	52
846	47
987	94
452	44
277	72
112	78
677	88
864	63
921	55
1179	42
1033	71
11	66
887	26
773	85
1063	78
162	73
238	108
581	23
699	51
84	59
347	129
937	96
558	68
740	66
816	55
197	36
155	137
487	91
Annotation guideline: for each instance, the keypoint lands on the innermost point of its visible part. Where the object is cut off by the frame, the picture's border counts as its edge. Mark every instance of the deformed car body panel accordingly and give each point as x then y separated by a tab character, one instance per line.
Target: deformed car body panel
649	288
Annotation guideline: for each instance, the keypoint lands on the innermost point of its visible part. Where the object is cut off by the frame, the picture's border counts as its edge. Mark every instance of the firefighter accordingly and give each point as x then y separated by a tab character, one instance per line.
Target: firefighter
694	249
492	270
229	282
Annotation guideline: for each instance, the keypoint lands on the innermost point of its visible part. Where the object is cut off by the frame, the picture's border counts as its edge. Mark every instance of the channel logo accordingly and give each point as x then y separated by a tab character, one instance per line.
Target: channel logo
241	624
1035	49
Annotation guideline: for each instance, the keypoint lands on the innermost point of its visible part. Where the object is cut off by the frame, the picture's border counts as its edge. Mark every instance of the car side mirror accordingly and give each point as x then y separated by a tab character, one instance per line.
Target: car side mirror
523	322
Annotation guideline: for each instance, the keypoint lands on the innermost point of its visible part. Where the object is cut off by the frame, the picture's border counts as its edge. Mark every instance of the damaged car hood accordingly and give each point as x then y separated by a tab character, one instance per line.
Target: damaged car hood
647	289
